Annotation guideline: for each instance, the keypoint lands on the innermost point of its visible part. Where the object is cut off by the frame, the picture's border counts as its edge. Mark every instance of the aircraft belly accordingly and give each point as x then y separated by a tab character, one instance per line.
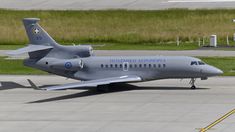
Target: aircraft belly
97	74
182	74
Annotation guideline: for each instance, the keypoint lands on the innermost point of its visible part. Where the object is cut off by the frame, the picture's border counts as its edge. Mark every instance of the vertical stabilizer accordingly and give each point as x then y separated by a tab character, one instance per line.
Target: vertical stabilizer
36	34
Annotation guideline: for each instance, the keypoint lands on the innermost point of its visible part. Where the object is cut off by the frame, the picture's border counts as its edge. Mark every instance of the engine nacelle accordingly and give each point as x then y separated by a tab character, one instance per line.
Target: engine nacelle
67	64
79	51
84	50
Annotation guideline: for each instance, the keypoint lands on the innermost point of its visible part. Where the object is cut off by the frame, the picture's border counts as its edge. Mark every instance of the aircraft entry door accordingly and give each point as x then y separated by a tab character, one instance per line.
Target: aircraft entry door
125	66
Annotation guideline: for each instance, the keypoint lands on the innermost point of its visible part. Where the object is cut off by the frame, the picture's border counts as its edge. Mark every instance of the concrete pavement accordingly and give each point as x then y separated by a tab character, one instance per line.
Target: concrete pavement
209	53
164	105
113	4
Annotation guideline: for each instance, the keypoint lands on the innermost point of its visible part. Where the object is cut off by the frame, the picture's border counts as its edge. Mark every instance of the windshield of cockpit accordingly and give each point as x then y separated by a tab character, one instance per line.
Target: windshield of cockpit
197	63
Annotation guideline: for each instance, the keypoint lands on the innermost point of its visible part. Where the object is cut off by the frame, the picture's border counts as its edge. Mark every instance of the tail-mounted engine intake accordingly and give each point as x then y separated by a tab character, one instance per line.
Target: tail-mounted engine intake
67	64
84	50
80	51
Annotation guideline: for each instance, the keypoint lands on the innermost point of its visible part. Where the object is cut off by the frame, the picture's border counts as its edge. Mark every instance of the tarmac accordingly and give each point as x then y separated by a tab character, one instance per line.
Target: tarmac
156	106
113	4
209	53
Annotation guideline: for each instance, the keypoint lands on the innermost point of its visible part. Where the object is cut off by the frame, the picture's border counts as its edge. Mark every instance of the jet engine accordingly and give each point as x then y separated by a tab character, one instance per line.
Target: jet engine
78	51
84	50
67	64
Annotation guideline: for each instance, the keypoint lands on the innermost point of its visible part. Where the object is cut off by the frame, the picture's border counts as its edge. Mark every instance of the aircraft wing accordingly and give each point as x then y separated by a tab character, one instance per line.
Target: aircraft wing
94	83
29	48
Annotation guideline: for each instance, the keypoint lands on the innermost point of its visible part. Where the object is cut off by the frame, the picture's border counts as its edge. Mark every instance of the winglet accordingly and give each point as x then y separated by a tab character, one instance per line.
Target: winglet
33	85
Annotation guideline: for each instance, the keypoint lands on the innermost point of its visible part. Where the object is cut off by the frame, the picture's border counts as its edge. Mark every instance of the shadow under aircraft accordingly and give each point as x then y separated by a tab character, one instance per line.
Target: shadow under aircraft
7	85
11	85
113	88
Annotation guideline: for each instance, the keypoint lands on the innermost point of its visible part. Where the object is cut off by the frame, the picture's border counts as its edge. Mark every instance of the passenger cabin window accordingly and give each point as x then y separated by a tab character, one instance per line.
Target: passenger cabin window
111	65
116	65
125	65
120	65
135	65
130	65
150	65
164	65
193	63
159	65
145	65
106	66
102	66
154	65
201	63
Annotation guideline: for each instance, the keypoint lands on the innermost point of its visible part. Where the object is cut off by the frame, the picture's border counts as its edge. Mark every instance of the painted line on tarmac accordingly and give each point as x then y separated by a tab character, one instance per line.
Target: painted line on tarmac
217	121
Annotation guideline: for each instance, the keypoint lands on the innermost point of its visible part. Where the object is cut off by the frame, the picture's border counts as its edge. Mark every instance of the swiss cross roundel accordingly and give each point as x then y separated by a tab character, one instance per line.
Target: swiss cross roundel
36	31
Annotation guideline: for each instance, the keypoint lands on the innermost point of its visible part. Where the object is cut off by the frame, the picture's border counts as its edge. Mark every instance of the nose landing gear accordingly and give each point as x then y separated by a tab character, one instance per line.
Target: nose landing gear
192	83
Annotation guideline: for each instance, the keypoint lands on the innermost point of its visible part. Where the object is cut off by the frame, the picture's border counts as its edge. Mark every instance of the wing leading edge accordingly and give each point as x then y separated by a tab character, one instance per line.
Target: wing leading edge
94	83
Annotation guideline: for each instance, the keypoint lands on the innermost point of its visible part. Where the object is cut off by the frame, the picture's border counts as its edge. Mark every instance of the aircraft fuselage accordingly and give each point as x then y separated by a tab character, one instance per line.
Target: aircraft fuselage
146	67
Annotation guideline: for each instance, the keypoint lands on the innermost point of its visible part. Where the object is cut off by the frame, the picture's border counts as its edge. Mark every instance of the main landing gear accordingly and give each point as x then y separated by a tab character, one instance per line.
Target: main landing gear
192	83
103	88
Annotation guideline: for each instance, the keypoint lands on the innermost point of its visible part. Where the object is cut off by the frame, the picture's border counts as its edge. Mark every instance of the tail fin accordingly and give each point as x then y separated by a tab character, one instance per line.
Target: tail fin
40	41
36	34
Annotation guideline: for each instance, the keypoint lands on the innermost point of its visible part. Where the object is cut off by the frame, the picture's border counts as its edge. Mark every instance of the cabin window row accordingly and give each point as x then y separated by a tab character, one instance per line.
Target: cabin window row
133	65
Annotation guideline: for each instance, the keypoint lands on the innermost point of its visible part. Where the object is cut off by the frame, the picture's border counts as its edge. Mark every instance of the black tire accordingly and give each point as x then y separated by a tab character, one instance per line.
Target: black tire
193	87
103	88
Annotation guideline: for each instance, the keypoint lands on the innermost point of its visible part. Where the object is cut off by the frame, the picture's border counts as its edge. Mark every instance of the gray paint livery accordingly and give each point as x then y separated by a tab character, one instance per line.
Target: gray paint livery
78	62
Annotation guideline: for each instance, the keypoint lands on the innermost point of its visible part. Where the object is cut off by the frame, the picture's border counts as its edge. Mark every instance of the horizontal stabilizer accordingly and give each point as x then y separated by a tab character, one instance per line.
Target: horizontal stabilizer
29	48
94	83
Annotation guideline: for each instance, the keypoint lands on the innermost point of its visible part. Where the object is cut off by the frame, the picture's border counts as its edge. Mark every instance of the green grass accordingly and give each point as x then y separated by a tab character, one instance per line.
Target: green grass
16	67
115	46
124	29
227	64
11	47
145	46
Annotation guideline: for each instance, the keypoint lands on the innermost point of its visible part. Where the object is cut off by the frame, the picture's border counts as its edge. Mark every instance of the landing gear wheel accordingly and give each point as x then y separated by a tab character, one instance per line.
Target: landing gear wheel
103	88
193	87
192	83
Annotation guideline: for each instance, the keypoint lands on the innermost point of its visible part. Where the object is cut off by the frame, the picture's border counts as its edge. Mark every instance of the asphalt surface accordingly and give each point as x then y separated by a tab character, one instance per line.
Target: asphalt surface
157	106
210	53
164	105
113	4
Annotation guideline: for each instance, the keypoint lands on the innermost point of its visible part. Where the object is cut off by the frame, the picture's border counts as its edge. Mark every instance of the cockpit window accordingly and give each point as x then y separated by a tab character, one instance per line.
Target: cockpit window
201	63
193	62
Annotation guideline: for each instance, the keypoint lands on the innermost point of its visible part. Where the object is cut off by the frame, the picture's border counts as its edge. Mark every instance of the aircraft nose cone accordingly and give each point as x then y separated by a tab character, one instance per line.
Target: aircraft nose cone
217	71
213	71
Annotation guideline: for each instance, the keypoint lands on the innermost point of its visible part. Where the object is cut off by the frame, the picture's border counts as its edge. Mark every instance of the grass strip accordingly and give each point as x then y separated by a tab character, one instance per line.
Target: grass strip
125	29
226	64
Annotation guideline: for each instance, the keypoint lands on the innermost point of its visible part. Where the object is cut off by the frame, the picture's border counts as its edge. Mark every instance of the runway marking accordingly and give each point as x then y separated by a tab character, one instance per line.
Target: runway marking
198	1
217	121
